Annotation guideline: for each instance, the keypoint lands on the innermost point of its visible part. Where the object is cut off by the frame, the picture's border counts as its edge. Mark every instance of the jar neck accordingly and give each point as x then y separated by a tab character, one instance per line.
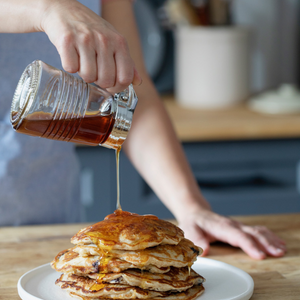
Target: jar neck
126	104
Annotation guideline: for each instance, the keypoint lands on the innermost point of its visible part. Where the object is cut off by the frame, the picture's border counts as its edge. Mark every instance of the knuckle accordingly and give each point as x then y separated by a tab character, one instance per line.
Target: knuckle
104	40
71	68
121	41
90	79
125	81
86	38
228	223
260	229
255	230
106	83
87	77
64	41
263	228
241	236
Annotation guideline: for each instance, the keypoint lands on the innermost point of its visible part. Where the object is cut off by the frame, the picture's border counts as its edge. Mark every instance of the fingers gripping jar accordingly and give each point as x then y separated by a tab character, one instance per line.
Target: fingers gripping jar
53	104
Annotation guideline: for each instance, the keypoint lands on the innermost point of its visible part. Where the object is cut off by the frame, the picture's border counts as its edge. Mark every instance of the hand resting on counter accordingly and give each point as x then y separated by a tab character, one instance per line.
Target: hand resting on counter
204	227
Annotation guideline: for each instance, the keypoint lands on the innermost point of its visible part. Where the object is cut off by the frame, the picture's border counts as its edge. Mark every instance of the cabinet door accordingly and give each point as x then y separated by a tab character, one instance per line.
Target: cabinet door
247	177
237	178
99	186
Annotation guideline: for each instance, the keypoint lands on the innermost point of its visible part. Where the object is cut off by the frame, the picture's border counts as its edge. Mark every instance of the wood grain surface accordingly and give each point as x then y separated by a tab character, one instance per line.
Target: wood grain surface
24	248
235	123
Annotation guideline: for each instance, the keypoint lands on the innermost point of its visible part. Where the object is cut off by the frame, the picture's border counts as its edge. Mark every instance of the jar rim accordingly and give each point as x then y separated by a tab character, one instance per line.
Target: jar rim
25	93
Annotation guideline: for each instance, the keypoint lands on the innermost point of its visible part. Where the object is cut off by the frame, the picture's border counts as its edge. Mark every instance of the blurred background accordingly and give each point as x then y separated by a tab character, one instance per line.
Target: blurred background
228	73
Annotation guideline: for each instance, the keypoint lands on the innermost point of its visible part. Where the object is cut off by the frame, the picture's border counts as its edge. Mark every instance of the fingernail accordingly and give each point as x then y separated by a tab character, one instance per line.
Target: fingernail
263	254
277	251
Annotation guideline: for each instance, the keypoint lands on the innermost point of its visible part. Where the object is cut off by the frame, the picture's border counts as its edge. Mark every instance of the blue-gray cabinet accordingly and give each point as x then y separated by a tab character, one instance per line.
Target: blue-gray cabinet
237	178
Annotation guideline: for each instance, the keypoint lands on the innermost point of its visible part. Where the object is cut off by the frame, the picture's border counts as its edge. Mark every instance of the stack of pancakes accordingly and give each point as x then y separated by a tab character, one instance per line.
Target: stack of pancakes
128	256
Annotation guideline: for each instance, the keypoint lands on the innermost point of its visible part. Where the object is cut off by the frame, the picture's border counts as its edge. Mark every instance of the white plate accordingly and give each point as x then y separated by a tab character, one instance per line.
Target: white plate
223	282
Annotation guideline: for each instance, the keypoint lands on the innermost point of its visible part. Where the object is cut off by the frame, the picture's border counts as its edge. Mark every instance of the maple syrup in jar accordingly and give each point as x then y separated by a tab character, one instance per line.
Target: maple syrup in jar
53	104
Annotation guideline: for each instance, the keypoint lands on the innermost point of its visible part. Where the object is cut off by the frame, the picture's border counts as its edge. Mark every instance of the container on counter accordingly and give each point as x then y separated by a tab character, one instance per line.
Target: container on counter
212	66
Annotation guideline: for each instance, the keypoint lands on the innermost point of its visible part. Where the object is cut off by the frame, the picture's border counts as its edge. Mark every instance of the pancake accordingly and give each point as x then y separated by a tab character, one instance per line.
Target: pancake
88	288
85	286
128	231
87	259
190	294
178	279
68	261
181	255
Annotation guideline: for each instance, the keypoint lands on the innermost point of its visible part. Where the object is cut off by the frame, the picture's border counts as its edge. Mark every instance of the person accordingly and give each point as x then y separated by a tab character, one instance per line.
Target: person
106	50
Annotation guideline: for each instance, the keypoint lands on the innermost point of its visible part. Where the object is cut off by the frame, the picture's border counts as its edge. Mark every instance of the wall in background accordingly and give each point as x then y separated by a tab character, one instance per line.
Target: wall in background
275	40
274	46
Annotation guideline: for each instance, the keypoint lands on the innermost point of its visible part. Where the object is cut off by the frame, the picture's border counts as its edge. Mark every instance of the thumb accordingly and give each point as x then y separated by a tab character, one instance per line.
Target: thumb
137	79
197	236
202	241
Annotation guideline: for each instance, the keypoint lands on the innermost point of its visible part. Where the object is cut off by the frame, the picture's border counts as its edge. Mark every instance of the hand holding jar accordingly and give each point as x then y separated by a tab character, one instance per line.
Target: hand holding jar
87	44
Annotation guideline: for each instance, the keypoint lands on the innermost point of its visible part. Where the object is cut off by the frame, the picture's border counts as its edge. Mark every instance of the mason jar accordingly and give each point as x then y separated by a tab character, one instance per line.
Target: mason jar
53	104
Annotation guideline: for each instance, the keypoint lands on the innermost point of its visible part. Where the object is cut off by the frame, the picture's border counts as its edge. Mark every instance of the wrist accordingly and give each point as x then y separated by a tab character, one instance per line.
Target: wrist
41	9
49	11
189	206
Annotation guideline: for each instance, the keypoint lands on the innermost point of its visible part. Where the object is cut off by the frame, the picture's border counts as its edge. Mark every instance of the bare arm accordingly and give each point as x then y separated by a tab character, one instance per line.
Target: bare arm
19	16
154	150
152	144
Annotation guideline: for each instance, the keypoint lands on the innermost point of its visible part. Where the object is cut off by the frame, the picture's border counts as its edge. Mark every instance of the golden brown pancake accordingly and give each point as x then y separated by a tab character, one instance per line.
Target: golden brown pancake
190	294
129	231
85	259
180	255
86	287
178	279
68	261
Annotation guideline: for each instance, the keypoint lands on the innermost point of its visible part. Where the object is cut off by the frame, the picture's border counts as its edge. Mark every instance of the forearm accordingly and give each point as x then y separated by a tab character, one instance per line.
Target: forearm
155	151
152	145
19	16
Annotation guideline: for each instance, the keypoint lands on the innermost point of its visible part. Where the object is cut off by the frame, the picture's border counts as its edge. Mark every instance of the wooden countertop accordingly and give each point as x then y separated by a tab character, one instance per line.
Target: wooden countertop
236	123
24	248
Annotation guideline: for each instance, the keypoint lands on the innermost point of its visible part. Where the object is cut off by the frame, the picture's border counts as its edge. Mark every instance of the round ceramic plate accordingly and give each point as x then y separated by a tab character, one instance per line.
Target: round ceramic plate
223	282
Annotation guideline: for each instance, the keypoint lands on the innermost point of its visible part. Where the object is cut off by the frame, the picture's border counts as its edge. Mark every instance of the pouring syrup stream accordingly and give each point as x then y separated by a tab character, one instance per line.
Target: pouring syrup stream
118	177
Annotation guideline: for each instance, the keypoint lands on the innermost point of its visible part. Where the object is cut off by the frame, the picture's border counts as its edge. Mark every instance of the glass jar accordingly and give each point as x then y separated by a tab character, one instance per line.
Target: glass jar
53	104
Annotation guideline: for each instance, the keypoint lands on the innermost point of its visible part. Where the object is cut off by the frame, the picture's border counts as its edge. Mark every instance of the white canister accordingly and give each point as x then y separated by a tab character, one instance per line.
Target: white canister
212	66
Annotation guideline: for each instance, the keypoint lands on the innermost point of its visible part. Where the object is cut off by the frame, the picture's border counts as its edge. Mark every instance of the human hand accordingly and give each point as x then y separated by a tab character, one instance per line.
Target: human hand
89	45
205	226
